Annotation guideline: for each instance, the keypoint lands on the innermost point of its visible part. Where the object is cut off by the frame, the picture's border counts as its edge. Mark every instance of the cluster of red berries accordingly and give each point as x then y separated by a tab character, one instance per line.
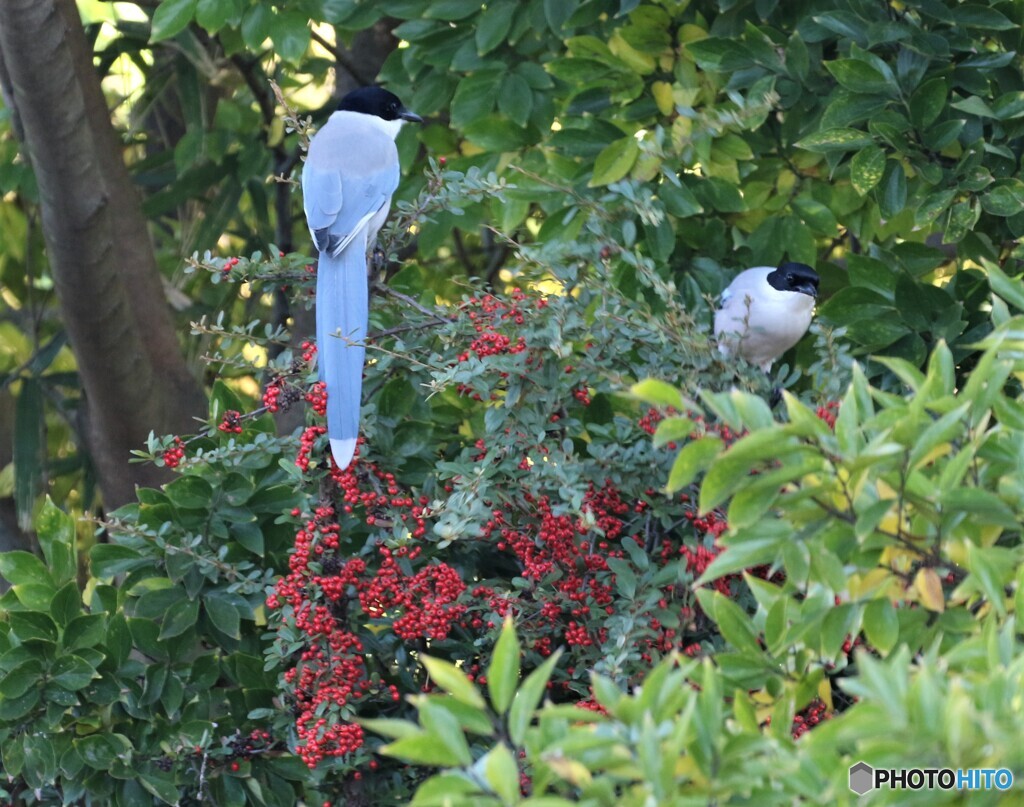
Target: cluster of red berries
427	601
173	456
231	423
229	264
828	413
272	396
246	746
652	417
319	590
488	314
306	444
317	398
815	713
279	395
329	672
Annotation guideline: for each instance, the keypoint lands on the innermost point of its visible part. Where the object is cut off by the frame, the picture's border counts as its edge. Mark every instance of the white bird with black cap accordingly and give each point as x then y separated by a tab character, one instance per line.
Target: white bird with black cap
765	311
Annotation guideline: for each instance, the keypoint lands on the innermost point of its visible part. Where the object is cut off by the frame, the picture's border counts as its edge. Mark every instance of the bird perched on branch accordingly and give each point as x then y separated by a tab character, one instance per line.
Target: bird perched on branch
351	171
765	311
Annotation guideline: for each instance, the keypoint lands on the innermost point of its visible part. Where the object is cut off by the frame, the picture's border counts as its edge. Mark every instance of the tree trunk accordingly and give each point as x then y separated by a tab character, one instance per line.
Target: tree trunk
105	273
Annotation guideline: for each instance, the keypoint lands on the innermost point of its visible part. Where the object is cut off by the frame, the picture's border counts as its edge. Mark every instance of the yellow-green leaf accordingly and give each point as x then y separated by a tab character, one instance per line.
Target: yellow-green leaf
614	161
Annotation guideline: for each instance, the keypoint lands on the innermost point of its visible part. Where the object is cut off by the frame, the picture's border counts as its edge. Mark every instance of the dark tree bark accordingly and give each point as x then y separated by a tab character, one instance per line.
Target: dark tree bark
105	273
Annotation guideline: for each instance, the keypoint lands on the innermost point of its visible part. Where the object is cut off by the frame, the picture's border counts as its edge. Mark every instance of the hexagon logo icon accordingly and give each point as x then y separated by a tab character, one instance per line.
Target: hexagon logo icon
862	778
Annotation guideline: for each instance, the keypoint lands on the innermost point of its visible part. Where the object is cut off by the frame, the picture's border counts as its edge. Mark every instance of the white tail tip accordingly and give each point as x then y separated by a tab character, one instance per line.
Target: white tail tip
343	451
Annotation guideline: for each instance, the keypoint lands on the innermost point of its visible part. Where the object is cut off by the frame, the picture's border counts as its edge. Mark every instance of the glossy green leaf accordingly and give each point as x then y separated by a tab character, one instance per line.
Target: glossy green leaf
840	139
20	567
170	17
615	161
528	697
867	168
503	672
453	681
493	25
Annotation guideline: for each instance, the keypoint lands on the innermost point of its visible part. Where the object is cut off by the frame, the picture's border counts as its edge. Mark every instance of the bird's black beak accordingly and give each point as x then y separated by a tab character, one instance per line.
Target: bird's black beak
410	116
807	288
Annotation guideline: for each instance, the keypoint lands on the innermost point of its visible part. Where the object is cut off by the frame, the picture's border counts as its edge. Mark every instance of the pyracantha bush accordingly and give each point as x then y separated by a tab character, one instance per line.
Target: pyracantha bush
504	471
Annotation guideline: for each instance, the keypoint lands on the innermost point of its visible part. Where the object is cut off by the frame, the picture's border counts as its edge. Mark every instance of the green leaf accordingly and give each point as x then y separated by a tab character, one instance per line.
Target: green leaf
66	604
516	99
161	785
56	531
72	672
20	679
475	96
450	9
493	25
291	35
502	773
1010	289
973	105
881	625
28	625
733	623
972	15
28	449
815	214
86	630
984	570
109	560
740	555
224	615
940	135
927	102
179	619
19	567
658	393
840	139
867	168
528	698
962	217
671	430
256	27
98	751
894	192
215	14
453	681
444	728
423	748
557	13
859	76
615	161
1005	198
190	492
170	18
678	199
503	671
691	460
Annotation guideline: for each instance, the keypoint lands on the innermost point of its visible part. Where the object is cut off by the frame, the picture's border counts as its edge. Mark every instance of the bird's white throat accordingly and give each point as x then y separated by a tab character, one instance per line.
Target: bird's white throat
390	127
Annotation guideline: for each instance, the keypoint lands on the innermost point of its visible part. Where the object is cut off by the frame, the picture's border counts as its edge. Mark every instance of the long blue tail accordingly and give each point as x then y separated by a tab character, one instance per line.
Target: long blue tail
342	311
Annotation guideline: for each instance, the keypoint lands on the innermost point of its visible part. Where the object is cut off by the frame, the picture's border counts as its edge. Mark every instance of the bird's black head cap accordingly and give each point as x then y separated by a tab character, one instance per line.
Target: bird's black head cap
377	101
798	277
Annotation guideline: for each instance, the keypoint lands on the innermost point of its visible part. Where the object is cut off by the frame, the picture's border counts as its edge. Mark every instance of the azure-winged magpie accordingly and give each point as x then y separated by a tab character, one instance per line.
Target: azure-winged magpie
765	311
350	173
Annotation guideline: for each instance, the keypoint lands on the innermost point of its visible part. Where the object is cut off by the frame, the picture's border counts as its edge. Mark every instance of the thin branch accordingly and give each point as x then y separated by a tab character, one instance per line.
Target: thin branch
405	298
